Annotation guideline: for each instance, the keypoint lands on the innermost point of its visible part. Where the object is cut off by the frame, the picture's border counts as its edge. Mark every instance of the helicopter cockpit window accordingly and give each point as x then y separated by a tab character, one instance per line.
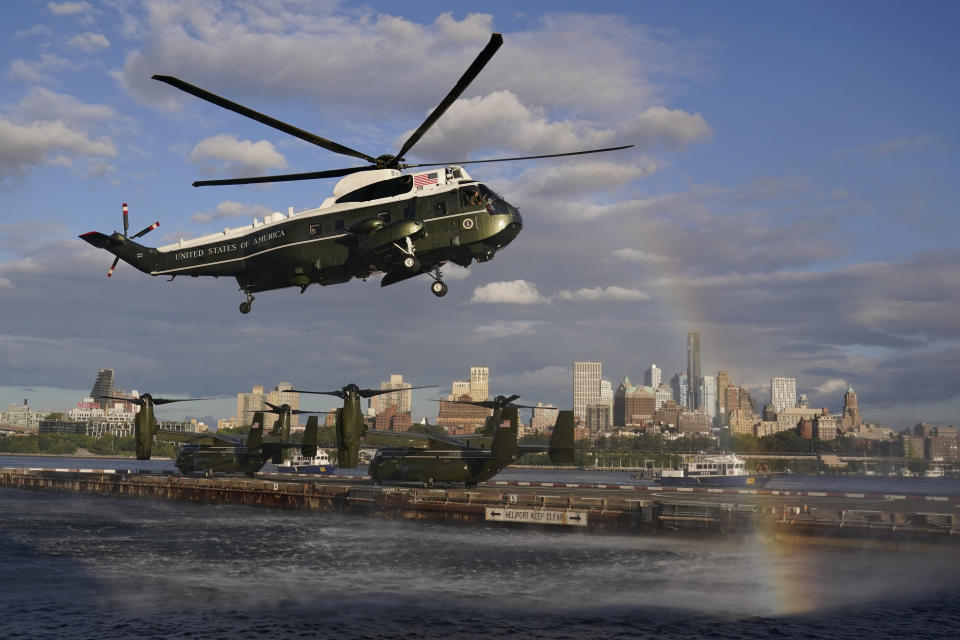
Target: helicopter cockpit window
470	197
493	200
384	217
382	189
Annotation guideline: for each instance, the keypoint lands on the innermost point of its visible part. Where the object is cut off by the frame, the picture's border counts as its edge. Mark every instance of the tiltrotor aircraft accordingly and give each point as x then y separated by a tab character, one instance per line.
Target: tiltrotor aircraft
379	220
210	452
426	459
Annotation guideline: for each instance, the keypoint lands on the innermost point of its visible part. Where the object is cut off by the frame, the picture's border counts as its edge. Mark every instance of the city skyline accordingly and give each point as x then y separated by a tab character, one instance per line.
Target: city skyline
783	199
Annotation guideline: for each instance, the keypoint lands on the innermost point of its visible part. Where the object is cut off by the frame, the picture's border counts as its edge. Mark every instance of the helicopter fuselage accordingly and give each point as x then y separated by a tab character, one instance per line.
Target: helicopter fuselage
434	217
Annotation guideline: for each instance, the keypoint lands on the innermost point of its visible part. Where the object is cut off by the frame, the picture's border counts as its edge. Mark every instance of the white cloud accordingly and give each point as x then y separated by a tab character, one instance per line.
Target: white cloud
888	147
658	125
5	284
231	209
36	72
25	146
576	177
236	157
550	377
608	294
514	292
46	105
638	255
833	385
69	8
89	42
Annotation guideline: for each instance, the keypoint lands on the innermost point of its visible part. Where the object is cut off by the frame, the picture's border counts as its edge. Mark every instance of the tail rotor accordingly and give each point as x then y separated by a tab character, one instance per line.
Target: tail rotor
126	228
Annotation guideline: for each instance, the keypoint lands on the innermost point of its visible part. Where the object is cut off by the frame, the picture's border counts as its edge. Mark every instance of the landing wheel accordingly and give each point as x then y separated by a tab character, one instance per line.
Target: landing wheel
411	263
439	288
245	305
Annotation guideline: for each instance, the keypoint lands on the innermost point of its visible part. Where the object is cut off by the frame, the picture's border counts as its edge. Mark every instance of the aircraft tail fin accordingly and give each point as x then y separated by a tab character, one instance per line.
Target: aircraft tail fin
255	437
561	442
311	437
122	245
504	445
143	425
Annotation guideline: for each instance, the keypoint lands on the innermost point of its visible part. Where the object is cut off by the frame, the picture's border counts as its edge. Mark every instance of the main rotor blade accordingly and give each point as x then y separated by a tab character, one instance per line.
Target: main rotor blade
169	400
549	155
119	399
369	393
338	393
203	94
287	177
478	64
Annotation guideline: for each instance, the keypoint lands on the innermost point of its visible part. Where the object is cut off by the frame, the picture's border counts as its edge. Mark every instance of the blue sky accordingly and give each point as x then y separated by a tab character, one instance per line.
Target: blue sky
791	194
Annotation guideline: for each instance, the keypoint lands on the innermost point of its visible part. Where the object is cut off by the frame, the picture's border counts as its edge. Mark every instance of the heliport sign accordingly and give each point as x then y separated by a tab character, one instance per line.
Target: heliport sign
537	516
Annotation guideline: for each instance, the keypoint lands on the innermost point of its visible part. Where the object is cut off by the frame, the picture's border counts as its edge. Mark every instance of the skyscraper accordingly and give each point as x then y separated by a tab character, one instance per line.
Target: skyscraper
851	410
783	393
681	389
283	394
250	403
401	398
723	381
653	376
479	383
708	392
103	386
693	369
586	388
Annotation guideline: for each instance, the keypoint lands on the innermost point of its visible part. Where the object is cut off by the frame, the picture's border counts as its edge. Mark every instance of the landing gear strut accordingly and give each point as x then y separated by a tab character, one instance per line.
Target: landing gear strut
245	305
438	287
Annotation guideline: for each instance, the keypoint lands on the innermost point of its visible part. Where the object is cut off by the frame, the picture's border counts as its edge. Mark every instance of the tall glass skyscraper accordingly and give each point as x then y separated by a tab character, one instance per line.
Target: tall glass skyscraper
693	370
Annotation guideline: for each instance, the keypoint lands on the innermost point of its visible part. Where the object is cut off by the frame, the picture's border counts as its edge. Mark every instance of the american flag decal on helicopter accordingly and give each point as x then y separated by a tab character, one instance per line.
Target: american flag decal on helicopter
423	179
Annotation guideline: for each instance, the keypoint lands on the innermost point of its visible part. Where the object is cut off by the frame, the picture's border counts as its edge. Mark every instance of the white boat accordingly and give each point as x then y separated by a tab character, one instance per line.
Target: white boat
299	463
718	470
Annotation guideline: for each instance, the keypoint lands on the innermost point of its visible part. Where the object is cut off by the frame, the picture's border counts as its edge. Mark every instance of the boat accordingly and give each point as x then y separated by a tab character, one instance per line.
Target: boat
704	470
299	463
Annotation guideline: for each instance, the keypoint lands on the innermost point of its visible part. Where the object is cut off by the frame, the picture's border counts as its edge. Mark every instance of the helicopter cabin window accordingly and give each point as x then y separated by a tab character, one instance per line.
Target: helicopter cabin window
384	217
440	208
381	189
470	197
408	209
338	226
315	230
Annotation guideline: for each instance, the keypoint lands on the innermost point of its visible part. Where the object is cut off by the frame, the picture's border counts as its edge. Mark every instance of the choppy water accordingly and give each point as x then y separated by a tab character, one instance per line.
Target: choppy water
95	567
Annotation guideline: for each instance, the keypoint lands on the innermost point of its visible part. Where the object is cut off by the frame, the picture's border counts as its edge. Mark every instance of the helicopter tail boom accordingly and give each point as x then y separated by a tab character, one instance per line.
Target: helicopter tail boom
124	248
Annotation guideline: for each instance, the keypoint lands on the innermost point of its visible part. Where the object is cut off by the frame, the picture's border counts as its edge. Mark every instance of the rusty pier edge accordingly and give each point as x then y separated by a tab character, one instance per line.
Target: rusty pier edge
928	525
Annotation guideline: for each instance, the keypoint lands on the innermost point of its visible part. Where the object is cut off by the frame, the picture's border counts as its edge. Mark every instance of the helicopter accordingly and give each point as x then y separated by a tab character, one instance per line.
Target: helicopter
428	458
378	220
453	460
208	453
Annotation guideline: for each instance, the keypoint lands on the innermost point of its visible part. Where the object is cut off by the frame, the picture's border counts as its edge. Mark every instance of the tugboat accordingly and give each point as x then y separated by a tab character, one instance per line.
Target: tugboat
318	464
702	470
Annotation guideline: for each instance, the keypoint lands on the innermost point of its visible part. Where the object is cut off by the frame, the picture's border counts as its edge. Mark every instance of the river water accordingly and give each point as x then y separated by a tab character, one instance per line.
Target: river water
94	567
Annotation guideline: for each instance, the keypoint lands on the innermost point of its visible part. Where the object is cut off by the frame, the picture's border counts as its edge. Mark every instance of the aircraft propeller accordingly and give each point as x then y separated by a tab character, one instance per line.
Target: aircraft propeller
285	407
147	399
385	161
500	402
126	227
345	392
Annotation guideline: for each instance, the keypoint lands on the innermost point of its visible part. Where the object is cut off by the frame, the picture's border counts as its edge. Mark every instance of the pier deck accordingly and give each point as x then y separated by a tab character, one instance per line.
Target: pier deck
855	519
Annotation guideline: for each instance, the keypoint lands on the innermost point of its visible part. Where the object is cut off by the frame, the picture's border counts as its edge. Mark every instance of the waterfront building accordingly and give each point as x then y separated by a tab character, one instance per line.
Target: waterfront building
402	398
668	415
103	386
606	395
653	376
783	393
633	405
825	425
598	418
22	417
790	417
390	419
694	422
693	369
586	387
